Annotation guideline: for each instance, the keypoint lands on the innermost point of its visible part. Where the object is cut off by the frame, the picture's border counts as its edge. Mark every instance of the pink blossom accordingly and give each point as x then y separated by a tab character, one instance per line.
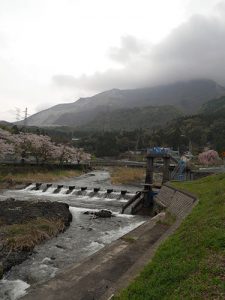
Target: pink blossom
39	146
5	149
209	157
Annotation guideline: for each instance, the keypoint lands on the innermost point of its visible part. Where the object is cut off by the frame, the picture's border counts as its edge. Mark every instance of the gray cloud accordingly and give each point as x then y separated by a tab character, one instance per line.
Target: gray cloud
129	48
43	106
196	49
64	80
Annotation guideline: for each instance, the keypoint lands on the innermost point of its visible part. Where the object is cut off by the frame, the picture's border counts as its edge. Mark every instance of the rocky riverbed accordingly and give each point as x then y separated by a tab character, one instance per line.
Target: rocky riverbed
24	224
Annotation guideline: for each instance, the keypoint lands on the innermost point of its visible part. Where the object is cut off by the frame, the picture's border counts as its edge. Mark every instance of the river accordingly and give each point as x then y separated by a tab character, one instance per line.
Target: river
85	236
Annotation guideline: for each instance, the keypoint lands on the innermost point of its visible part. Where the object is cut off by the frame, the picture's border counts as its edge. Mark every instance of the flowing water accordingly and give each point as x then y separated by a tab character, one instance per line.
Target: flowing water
85	235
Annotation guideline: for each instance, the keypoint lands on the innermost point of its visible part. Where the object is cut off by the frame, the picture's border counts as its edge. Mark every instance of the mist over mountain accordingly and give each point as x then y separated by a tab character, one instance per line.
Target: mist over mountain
186	97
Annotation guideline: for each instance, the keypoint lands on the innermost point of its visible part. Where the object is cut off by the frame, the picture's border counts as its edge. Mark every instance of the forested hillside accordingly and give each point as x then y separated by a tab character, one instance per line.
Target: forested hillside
131	119
205	129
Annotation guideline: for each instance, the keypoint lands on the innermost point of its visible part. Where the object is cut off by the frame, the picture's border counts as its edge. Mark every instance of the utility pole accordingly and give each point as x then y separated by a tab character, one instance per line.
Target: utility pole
25	117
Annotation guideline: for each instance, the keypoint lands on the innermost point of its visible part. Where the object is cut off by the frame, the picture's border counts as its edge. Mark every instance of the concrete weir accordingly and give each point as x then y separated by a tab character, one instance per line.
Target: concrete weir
78	190
103	274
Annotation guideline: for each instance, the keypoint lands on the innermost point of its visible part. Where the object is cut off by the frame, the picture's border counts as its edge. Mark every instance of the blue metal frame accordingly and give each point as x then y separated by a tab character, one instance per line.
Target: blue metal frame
157	151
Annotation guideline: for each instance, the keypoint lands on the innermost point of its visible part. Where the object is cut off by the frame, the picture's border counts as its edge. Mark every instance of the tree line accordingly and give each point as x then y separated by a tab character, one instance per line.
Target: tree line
199	131
27	145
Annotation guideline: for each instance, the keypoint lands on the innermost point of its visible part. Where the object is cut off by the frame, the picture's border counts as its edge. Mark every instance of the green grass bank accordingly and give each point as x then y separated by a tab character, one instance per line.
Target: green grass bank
190	264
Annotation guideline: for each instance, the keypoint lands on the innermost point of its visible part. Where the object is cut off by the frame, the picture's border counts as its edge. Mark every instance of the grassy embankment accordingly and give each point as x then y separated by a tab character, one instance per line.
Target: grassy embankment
29	234
190	264
20	237
123	175
10	176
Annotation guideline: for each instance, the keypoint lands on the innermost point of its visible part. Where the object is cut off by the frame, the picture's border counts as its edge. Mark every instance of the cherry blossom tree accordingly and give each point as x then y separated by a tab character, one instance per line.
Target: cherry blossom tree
62	153
65	153
40	147
209	157
6	135
6	144
5	149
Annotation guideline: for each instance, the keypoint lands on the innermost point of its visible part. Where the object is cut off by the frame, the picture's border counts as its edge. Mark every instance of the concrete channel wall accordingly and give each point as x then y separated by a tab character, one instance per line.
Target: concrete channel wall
177	202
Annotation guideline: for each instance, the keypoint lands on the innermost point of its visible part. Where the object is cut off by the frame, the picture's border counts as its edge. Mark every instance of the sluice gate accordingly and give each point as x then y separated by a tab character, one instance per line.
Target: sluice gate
143	201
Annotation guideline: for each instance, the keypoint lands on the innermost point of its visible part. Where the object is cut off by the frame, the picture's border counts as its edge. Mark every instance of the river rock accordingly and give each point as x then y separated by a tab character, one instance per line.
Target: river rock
103	213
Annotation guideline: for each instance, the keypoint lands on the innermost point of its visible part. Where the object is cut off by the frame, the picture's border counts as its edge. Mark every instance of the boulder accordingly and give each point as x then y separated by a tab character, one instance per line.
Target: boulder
103	213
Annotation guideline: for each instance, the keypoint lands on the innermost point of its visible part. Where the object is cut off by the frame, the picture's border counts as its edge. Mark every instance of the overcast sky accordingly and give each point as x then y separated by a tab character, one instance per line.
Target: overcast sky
54	51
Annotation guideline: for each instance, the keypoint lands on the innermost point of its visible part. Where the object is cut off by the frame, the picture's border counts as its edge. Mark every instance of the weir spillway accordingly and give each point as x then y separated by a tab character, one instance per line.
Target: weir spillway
78	196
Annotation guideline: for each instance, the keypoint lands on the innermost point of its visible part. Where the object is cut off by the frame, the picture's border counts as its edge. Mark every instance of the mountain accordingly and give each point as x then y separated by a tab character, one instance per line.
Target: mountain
133	118
205	129
186	96
214	106
5	123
